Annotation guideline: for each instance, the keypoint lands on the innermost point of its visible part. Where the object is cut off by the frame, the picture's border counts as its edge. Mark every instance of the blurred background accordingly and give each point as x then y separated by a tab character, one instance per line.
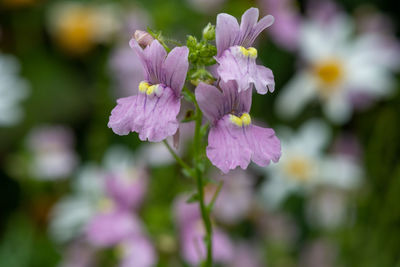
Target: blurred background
72	193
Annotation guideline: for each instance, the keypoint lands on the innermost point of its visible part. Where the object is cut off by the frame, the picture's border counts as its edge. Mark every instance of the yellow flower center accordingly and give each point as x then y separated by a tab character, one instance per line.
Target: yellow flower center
329	72
248	52
243	120
145	87
299	169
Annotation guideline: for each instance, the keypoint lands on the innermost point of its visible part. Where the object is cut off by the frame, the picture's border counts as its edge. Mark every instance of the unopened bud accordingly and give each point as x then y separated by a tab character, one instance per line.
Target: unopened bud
143	38
209	32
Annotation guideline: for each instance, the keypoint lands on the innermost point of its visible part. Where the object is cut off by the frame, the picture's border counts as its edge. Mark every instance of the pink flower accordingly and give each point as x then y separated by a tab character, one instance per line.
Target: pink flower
152	112
236	57
233	140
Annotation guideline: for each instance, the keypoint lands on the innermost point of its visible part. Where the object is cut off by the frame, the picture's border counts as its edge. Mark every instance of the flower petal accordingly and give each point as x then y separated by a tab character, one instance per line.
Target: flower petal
211	101
264	144
153	117
230	146
243	69
249	19
175	68
300	90
215	104
152	58
227	146
226	31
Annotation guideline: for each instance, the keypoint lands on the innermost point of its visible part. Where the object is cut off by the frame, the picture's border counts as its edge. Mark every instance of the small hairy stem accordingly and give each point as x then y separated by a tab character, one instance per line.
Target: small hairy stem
176	157
214	198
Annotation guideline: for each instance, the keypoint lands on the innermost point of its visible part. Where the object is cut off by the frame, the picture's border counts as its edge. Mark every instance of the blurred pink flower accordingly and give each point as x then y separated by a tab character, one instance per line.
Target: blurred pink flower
235	198
112	227
137	251
246	255
127	188
192	232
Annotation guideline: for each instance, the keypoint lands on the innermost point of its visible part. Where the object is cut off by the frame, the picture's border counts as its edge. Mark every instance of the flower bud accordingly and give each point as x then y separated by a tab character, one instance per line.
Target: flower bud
143	38
209	32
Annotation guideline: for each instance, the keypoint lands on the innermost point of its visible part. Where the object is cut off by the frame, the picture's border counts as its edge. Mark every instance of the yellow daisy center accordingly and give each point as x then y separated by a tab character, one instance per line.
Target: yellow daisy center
299	169
329	72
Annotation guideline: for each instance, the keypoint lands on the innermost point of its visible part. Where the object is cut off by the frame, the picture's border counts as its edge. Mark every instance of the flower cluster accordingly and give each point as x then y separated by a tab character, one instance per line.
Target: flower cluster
233	139
102	211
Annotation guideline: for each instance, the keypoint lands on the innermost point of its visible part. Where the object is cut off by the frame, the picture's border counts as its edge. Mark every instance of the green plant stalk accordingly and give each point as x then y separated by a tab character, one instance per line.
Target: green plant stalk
205	214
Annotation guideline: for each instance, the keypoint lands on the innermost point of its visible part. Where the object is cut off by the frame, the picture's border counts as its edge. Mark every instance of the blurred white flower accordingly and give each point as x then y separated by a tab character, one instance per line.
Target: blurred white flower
118	184
13	89
53	155
304	165
337	69
70	215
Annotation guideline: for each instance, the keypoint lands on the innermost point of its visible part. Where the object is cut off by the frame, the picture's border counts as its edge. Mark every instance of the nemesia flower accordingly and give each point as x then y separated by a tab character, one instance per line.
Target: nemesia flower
236	56
337	69
192	232
233	139
152	112
111	226
285	30
13	89
304	166
78	27
53	154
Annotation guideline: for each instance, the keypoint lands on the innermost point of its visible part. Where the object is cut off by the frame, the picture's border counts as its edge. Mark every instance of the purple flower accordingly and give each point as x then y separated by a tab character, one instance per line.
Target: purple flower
137	251
233	140
127	188
192	233
236	57
111	227
152	112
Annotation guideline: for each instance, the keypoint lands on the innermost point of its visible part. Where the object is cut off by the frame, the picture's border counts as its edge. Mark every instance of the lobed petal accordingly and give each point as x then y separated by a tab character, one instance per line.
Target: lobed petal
226	31
154	118
230	146
175	68
152	58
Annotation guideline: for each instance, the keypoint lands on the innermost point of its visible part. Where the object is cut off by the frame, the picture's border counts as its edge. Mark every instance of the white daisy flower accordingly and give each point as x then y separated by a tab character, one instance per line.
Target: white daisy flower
337	69
304	165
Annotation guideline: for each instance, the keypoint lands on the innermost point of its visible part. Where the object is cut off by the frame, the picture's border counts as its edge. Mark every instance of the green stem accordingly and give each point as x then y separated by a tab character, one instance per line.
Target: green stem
200	187
176	157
